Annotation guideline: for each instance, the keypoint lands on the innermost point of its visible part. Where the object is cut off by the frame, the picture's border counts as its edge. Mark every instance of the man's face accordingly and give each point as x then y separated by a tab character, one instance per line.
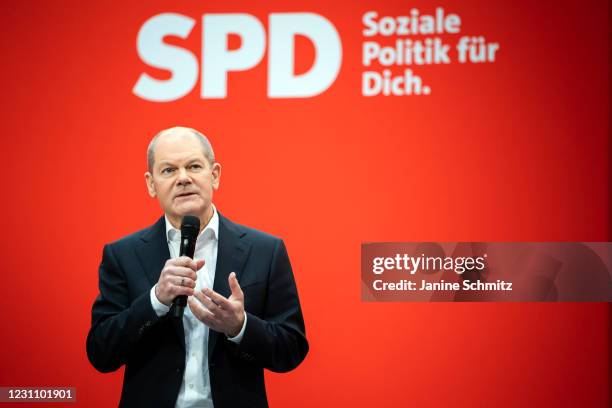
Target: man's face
182	179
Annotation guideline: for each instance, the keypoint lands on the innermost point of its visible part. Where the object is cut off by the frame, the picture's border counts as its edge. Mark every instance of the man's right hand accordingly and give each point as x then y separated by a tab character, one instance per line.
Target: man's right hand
177	278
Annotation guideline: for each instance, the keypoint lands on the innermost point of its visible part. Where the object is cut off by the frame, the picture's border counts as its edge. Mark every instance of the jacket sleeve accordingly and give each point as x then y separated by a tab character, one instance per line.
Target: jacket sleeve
117	323
277	340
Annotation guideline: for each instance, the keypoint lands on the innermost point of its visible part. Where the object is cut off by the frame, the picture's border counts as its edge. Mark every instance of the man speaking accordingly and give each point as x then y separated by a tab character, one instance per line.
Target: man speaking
243	312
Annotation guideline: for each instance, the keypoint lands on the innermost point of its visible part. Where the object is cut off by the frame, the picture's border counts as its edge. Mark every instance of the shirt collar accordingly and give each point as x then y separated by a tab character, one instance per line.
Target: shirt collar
211	231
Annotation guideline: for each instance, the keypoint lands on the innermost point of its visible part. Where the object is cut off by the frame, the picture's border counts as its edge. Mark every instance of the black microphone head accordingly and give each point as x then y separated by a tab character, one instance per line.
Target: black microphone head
190	226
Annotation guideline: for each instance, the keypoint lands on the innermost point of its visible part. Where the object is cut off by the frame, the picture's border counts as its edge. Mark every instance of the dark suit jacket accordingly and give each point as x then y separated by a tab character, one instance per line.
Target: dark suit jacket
126	330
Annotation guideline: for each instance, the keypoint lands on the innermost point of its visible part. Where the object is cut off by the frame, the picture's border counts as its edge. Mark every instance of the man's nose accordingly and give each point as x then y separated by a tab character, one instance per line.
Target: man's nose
183	176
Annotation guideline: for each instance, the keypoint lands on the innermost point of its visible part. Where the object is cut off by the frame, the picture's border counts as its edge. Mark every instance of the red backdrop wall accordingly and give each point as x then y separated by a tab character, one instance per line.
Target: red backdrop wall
515	150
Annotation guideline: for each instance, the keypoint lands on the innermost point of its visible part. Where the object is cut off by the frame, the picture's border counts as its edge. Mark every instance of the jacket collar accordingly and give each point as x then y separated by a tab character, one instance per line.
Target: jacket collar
233	251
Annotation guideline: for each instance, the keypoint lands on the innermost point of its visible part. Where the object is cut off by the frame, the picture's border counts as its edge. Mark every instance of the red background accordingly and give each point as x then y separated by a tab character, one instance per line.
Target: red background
517	150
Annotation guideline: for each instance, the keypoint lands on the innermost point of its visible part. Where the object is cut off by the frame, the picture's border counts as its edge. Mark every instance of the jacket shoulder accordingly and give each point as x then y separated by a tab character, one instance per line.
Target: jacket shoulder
139	236
252	233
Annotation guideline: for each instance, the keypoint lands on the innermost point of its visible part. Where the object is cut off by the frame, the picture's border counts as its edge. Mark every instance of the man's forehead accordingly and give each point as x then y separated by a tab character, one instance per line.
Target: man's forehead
179	153
179	145
181	158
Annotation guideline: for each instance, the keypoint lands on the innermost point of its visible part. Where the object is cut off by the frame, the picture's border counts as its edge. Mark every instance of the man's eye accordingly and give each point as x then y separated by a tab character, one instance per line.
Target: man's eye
167	170
195	166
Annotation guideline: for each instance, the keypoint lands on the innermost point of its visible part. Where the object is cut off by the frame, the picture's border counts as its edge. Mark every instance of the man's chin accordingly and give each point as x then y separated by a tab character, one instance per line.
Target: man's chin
191	209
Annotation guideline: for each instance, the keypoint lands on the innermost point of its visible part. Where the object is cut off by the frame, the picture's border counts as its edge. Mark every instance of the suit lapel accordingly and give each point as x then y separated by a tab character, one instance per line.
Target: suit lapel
232	253
154	252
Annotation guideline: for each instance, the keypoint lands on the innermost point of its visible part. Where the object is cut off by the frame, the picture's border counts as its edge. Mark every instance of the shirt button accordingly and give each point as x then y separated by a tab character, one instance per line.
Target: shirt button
190	385
192	354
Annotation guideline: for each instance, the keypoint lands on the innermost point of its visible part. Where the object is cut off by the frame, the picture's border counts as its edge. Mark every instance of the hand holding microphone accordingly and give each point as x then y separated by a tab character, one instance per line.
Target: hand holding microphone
177	279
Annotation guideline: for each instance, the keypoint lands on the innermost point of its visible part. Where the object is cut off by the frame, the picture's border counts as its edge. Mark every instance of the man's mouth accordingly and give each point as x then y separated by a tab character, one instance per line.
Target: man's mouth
182	195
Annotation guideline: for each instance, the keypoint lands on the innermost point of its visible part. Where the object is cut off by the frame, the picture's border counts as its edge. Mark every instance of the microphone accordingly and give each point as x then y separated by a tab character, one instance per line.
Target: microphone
190	227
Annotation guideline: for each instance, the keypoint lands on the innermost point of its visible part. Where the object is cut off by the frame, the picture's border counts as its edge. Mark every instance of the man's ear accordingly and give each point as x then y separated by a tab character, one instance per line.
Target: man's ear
216	175
150	184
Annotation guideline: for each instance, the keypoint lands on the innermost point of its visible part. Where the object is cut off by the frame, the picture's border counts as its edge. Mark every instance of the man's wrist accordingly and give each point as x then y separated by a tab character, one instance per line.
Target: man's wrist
238	337
159	308
157	295
237	330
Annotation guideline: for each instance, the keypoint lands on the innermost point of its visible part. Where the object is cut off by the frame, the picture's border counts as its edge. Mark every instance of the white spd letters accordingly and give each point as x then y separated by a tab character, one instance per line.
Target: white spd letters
283	29
181	62
218	60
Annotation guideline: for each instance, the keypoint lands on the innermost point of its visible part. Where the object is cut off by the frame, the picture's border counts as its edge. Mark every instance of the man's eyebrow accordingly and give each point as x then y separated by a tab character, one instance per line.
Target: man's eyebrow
165	162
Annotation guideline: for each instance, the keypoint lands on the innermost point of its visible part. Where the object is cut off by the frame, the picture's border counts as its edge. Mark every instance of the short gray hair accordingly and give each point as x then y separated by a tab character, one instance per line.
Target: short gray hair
206	146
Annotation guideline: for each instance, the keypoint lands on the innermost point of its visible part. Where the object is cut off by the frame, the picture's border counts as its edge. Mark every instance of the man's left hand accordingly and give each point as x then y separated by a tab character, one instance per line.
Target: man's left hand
225	315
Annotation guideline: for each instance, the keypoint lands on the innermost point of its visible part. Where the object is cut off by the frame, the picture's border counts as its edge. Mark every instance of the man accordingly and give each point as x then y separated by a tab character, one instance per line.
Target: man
243	312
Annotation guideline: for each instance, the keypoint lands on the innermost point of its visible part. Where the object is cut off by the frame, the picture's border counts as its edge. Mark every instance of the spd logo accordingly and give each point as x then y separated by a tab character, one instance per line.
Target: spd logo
218	60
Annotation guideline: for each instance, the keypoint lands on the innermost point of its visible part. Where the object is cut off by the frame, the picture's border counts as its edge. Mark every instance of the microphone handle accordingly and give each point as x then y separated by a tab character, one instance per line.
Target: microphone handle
180	302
